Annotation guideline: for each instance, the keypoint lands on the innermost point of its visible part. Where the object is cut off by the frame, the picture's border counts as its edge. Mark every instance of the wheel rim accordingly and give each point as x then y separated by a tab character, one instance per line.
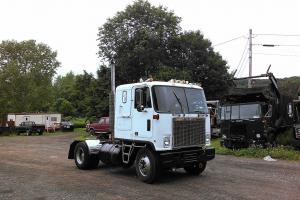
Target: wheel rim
80	156
144	165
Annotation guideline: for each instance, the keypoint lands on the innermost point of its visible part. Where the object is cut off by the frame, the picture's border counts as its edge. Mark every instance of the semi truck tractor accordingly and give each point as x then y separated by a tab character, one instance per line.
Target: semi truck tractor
157	126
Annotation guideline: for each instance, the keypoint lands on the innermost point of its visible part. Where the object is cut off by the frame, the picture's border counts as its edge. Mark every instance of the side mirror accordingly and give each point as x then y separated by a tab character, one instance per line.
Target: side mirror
140	108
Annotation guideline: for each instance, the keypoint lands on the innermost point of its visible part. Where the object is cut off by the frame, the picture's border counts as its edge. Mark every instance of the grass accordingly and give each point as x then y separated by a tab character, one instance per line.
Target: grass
281	152
80	134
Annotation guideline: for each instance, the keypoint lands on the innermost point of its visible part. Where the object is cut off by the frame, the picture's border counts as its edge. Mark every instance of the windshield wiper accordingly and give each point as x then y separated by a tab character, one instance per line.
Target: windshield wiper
178	99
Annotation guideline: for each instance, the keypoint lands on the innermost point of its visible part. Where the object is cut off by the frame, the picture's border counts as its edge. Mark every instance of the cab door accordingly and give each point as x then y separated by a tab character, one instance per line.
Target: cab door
142	114
123	112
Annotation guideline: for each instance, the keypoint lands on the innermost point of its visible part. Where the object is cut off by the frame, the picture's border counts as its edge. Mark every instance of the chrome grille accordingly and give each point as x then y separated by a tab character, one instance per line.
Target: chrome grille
188	131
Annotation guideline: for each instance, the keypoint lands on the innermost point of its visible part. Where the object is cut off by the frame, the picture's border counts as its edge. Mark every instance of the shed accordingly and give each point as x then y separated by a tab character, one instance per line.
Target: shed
47	119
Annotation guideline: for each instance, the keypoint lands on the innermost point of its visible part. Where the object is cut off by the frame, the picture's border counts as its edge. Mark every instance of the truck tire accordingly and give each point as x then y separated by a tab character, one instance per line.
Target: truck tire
196	168
147	165
83	159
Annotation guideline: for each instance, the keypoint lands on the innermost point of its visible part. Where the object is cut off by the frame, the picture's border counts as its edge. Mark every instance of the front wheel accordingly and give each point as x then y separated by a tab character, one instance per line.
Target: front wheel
83	159
147	165
196	168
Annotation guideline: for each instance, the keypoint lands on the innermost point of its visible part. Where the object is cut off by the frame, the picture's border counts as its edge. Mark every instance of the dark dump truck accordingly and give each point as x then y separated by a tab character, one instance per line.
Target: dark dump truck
30	127
255	115
296	129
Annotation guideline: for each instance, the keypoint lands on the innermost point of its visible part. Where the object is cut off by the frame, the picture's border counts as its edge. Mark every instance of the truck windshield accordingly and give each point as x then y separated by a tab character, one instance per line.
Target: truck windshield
171	99
242	111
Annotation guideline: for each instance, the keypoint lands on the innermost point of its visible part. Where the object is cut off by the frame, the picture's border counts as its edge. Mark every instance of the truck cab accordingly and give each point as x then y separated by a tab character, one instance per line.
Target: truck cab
156	126
158	112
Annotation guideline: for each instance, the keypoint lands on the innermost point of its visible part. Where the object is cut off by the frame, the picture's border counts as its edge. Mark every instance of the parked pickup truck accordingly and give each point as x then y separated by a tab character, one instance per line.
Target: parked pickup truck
100	128
30	127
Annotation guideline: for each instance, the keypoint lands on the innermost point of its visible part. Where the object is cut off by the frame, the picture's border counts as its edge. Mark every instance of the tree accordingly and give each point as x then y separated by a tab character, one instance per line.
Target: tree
193	55
144	39
26	72
64	87
136	40
64	107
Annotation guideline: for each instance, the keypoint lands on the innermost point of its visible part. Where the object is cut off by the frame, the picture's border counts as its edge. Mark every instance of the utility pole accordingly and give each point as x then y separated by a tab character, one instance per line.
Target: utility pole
250	59
112	100
112	78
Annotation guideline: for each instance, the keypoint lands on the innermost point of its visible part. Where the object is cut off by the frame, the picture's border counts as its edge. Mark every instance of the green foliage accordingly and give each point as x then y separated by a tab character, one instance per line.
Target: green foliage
137	40
281	152
64	107
285	138
146	40
26	72
289	86
79	122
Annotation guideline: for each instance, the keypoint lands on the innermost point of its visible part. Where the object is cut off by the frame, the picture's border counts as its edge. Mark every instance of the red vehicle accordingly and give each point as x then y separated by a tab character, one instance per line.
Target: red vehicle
99	128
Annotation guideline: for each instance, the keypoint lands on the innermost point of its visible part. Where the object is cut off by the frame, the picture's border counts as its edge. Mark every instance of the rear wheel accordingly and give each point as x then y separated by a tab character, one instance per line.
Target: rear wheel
196	168
147	165
83	159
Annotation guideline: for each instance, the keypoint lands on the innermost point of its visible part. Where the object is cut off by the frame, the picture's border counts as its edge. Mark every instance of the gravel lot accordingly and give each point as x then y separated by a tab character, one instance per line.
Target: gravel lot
36	167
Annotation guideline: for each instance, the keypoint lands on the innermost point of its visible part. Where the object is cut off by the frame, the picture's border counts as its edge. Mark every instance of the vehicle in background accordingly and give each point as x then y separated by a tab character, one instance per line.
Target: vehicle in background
214	112
255	115
100	128
47	119
5	129
30	127
296	129
66	126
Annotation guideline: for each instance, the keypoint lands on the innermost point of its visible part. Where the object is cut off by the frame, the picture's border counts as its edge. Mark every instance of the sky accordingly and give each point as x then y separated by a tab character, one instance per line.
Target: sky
70	27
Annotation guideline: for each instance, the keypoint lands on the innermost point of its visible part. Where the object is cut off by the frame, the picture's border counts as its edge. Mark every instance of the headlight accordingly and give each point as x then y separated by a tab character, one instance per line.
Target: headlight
207	139
167	142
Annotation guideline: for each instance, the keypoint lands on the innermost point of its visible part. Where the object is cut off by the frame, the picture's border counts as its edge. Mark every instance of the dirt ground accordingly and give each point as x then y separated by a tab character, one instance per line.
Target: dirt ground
36	167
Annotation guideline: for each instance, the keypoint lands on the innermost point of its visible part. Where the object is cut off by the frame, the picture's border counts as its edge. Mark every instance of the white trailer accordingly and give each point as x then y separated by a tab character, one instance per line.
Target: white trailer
47	119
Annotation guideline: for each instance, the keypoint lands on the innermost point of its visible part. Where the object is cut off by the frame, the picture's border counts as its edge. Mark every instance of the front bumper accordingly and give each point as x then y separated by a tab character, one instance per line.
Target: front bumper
183	157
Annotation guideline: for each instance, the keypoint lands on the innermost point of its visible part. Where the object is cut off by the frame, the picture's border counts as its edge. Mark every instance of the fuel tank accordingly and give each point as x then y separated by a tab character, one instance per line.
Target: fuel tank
111	154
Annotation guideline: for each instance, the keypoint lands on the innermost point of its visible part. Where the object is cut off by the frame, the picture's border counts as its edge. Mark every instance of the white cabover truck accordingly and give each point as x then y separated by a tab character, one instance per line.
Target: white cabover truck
157	126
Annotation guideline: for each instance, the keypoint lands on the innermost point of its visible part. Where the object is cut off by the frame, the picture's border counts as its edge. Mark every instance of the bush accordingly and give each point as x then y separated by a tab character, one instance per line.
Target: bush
280	152
79	122
285	137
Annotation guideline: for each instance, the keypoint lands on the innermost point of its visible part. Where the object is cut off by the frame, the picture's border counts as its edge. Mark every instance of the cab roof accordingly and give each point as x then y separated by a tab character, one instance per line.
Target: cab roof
154	83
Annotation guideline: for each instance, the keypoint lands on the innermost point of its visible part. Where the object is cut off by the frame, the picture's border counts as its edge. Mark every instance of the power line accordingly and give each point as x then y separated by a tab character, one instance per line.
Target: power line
274	54
278	45
238	68
228	41
243	65
281	35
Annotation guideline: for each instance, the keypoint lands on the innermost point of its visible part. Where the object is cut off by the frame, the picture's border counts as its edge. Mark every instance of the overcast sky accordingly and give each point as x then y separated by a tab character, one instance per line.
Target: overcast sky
70	27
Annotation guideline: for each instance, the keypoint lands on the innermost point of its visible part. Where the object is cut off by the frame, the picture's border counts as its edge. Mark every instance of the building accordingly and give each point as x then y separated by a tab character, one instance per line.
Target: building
47	119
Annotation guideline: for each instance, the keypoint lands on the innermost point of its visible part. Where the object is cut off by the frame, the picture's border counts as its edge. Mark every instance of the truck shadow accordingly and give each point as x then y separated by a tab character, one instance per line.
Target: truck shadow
165	176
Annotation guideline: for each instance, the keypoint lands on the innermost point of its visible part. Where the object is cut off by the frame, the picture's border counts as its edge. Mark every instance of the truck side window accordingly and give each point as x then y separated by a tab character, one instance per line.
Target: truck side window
142	97
124	96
